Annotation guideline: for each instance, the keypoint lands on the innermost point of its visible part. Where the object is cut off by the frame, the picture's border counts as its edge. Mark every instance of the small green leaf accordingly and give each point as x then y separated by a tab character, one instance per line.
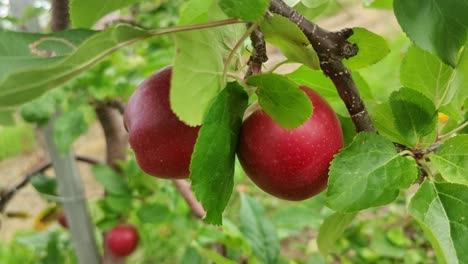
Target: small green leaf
40	109
212	165
212	255
425	73
451	159
332	229
153	213
119	203
258	231
368	173
438	26
414	114
67	128
379	4
110	180
282	99
384	122
44	184
247	10
283	33
440	209
191	256
372	48
84	13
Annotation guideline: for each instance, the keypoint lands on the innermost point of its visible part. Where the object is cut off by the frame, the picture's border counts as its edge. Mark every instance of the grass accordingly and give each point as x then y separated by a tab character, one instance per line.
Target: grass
15	140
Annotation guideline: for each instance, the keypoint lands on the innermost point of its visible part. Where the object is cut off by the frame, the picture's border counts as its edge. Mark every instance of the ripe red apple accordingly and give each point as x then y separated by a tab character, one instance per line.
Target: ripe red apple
62	219
122	240
163	144
291	164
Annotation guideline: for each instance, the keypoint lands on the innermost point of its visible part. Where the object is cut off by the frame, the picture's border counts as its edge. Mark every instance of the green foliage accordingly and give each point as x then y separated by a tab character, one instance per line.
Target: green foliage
16	140
153	213
440	210
372	48
289	38
41	109
44	184
451	159
258	231
332	229
110	180
67	128
438	26
368	173
282	99
248	10
212	165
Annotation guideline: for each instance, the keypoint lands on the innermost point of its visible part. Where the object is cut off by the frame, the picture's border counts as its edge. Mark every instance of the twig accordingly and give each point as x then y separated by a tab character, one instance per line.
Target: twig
259	54
186	191
332	48
9	193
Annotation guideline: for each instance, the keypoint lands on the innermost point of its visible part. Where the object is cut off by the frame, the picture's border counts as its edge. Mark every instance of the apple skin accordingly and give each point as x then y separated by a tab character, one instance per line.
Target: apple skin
291	164
122	240
163	144
62	219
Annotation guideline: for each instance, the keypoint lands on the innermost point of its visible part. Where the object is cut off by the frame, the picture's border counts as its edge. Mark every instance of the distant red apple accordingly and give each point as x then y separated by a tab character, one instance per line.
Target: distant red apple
62	219
163	144
291	164
122	240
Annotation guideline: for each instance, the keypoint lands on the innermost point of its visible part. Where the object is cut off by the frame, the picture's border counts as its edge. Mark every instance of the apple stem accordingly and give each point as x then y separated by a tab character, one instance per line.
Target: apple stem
186	191
332	48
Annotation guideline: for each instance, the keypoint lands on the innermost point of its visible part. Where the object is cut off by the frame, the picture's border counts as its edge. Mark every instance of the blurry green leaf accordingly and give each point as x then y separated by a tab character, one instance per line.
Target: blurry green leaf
291	3
283	33
40	109
425	73
380	4
247	10
121	204
6	117
154	213
318	9
108	223
67	128
368	173
84	13
44	184
191	256
282	99
53	250
110	180
372	48
384	122
332	229
199	62
451	159
459	88
348	128
314	3
414	114
213	255
440	209
398	237
438	26
212	165
258	231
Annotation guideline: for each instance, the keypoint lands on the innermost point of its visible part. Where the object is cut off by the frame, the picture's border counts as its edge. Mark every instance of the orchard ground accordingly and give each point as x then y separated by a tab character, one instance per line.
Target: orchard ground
93	144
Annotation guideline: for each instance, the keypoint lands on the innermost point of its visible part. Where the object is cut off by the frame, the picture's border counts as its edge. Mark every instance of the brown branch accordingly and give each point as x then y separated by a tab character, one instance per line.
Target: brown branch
186	191
332	48
259	54
9	193
60	15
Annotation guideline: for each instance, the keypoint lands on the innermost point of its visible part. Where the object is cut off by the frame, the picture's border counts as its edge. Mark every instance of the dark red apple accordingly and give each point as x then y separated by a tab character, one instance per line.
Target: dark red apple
163	144
62	219
291	164
122	240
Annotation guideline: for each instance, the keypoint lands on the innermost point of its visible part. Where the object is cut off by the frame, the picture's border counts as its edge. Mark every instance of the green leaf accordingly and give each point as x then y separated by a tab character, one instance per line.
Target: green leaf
199	62
84	13
438	26
372	48
25	84
283	33
191	256
67	128
40	109
368	173
451	159
121	204
414	114
153	213
440	209
332	229
212	255
110	180
212	165
258	231
379	4
282	99
313	3
44	184
247	10
425	73
384	122
7	117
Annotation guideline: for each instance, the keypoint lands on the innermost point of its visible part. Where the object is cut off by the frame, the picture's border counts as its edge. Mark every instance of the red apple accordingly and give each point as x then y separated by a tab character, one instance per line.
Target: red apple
291	164
62	219
163	144
122	240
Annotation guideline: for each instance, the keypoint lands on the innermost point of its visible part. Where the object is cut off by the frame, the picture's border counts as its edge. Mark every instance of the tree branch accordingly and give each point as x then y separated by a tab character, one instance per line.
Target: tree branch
186	191
259	54
60	15
332	48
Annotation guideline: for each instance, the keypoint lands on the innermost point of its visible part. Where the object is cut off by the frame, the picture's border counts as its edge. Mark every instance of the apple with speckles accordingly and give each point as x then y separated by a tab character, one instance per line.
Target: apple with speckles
291	164
162	143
